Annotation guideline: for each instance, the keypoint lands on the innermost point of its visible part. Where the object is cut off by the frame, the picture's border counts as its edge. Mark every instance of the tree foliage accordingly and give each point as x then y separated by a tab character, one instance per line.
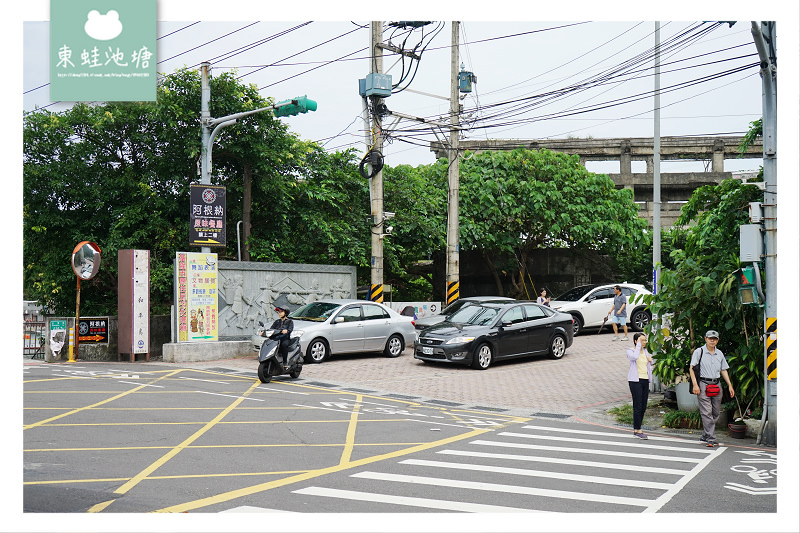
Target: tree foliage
515	202
701	291
118	174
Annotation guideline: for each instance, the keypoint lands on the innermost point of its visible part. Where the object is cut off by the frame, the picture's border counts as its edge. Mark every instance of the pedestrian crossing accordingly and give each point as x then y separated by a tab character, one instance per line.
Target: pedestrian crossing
538	467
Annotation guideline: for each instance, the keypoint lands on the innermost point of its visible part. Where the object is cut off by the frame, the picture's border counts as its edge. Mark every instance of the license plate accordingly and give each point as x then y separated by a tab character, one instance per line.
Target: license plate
427	350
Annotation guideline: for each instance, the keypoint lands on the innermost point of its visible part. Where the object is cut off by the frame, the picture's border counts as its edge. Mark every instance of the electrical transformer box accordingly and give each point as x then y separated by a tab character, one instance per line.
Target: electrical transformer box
376	84
751	243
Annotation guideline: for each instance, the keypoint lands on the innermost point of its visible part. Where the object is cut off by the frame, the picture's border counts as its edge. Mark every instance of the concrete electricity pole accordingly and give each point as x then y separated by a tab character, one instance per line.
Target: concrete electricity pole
765	40
657	164
452	177
376	182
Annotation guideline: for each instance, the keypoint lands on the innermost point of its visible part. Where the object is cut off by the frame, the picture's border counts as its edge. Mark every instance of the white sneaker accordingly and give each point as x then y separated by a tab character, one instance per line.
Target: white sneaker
614	338
625	338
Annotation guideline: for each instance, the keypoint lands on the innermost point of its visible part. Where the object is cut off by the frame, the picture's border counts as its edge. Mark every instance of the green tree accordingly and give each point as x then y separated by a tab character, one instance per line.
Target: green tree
515	202
701	291
118	174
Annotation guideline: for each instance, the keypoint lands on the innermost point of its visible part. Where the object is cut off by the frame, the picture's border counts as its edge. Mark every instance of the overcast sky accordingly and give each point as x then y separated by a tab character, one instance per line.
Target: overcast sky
512	60
709	78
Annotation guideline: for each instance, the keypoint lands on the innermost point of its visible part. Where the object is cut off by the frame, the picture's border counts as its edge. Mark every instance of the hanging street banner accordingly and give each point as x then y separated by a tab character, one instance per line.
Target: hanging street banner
207	218
102	50
196	296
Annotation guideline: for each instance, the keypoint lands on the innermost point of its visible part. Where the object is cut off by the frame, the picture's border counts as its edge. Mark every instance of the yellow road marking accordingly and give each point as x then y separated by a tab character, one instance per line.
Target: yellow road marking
203	446
116	397
351	432
175	451
246	491
100	506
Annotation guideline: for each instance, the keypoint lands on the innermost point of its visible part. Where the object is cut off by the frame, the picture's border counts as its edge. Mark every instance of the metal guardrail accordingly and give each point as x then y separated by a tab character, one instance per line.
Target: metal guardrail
33	339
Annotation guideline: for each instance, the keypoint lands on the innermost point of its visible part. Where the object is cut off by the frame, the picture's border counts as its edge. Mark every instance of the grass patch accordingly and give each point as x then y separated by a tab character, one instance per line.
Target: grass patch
623	413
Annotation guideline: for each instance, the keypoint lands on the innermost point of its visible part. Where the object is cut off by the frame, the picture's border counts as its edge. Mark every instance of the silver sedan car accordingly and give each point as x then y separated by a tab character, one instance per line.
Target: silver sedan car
328	327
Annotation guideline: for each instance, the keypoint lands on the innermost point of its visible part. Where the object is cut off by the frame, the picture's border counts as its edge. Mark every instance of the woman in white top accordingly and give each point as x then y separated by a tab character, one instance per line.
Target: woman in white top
543	299
639	375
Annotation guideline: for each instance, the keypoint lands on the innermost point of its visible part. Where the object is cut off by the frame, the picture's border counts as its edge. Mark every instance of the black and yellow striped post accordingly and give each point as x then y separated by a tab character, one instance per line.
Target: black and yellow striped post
452	292
772	348
376	293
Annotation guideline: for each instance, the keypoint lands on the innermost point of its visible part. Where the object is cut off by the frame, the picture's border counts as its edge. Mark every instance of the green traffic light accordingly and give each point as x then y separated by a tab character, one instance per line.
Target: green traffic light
300	104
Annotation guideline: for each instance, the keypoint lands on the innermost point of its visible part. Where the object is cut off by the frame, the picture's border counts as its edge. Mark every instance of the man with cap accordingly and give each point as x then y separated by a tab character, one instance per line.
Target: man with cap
283	330
712	366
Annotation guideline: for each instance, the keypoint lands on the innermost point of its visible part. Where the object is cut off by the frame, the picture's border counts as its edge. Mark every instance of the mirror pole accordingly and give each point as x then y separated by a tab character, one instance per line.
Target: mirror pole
74	353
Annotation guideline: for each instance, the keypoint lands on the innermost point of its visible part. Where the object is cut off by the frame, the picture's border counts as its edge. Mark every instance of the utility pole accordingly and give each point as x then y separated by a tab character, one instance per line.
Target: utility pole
765	39
452	176
205	128
657	164
376	182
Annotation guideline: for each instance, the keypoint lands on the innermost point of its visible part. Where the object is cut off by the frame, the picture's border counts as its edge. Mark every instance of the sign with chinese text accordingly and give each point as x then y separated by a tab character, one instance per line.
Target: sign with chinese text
207	218
102	50
196	294
141	301
93	330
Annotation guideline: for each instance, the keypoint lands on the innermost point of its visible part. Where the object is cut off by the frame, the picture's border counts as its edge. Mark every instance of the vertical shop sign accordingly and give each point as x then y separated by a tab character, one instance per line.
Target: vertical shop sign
196	284
207	218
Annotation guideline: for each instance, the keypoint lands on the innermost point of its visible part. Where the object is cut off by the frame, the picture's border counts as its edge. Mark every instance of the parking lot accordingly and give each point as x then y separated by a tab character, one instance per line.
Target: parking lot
591	377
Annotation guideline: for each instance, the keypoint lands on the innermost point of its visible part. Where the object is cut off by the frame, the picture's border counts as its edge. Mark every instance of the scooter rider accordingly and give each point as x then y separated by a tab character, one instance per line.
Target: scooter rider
283	330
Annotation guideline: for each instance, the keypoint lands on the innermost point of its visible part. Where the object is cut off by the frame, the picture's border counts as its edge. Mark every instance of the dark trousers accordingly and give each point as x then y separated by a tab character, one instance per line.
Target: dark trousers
639	391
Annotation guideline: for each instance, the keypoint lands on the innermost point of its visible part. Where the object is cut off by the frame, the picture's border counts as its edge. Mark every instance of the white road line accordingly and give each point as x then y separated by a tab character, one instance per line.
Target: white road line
410	501
251	509
140	384
615	453
605	433
667	496
206	380
286	391
540	473
496	487
553	460
229	395
637	443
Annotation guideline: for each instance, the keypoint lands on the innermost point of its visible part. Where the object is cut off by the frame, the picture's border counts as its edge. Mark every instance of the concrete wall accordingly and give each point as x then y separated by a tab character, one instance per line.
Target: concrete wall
249	291
160	333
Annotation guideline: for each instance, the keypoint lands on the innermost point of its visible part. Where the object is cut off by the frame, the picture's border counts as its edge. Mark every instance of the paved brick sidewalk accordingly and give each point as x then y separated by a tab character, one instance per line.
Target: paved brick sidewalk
590	377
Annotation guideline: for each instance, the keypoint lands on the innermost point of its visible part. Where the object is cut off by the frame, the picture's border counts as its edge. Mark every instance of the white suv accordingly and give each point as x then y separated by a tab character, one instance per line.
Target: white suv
589	305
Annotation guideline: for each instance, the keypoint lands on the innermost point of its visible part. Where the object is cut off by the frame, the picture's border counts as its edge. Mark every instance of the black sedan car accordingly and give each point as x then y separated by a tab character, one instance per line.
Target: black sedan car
479	334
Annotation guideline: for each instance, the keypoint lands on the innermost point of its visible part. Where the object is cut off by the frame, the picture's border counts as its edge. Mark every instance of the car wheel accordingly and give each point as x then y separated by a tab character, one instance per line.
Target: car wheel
394	346
482	357
557	347
317	351
577	325
640	319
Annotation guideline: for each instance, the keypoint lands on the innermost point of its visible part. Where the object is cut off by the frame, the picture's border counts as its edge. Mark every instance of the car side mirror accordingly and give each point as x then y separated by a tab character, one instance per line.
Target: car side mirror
338	320
506	324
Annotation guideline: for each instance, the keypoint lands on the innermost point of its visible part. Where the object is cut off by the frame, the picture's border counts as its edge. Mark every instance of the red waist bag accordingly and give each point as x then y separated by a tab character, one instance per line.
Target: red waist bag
712	389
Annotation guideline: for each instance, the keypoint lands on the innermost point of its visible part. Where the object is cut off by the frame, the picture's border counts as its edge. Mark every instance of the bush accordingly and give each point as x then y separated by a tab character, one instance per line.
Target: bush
682	419
623	413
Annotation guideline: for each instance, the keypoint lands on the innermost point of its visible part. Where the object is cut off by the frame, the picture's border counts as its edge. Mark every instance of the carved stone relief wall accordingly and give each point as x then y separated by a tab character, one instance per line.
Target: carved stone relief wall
249	291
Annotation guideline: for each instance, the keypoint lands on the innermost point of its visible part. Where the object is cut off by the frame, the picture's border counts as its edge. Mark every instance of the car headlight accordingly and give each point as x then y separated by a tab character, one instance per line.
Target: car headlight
460	340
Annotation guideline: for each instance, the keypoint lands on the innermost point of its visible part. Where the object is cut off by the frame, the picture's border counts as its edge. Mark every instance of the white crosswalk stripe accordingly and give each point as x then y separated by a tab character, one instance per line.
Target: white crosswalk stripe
535	468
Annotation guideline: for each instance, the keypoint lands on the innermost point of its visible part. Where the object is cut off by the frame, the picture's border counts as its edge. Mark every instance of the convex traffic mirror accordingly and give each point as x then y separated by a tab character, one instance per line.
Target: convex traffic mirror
86	260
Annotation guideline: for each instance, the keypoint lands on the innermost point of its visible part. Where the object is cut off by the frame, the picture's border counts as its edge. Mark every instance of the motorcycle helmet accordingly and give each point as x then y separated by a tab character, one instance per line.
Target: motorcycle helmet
278	309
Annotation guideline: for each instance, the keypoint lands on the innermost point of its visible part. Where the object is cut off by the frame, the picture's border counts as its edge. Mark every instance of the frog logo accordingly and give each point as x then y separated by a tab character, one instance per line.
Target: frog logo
103	27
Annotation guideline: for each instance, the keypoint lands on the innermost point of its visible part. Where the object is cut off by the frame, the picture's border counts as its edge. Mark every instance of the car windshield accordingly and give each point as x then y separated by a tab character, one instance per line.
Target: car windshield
573	295
316	311
474	314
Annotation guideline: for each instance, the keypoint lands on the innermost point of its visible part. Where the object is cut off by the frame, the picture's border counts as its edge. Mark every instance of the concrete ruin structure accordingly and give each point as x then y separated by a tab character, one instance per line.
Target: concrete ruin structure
676	188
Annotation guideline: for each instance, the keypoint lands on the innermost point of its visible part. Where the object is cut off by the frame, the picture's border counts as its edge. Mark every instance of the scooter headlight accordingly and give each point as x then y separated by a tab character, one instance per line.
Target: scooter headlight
296	334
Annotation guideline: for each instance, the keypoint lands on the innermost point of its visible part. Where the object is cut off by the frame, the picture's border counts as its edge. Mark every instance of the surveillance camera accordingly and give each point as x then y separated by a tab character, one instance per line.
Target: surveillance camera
387	215
389	230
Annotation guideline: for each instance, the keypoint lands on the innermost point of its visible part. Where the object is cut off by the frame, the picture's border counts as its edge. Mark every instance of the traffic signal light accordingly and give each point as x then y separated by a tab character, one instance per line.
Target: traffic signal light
748	292
300	104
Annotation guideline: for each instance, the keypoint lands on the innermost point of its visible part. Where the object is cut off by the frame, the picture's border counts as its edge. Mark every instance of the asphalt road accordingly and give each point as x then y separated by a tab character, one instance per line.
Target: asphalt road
366	434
